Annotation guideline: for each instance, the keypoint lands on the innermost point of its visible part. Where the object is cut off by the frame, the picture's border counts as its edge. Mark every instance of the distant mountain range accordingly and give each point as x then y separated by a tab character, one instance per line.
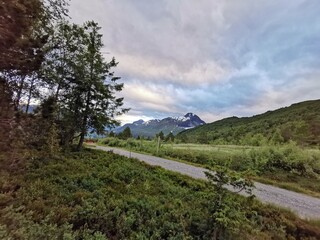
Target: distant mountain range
170	124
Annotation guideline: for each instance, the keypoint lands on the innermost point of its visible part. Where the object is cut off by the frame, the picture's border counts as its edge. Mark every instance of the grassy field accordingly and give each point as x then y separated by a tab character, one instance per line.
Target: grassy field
287	166
285	179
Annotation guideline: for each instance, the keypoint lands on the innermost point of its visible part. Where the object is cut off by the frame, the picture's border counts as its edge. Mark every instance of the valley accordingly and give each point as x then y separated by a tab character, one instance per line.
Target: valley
173	120
279	147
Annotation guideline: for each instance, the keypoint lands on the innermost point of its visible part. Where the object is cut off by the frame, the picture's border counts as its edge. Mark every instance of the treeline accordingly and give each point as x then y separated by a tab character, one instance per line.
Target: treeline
299	123
59	66
126	134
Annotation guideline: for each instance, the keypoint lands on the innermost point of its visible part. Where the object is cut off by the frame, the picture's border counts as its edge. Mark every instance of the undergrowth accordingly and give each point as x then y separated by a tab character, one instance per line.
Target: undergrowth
98	195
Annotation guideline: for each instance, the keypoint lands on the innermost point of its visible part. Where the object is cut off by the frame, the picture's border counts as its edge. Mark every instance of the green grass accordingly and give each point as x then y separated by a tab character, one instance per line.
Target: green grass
210	147
285	179
287	166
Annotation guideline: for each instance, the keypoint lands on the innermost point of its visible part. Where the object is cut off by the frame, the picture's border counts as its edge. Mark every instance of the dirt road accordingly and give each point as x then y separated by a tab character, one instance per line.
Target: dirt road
303	205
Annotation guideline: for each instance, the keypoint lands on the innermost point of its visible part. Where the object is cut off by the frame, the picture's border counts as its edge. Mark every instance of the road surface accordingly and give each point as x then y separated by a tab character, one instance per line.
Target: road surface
303	205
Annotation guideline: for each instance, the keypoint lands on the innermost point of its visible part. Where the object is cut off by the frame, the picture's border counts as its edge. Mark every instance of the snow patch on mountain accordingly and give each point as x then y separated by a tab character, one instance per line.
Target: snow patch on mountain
166	125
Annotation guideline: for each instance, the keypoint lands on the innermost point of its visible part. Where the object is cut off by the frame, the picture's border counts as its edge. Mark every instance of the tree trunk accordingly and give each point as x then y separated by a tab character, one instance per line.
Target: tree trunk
57	91
86	114
215	234
83	132
19	93
80	144
30	94
85	122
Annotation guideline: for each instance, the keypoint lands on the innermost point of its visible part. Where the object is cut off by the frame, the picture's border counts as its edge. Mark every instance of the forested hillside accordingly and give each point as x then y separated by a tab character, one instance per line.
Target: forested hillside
300	123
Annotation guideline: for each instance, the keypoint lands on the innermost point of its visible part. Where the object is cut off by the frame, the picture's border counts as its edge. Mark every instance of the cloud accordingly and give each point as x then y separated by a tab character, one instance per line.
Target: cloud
216	58
156	70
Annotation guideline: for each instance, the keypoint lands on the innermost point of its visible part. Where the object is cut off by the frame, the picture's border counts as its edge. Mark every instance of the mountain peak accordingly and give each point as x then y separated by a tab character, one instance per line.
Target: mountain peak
189	115
190	120
140	121
166	125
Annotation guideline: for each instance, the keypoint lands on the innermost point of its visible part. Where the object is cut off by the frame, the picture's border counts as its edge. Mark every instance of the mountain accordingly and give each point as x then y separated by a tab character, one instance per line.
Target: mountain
299	122
170	124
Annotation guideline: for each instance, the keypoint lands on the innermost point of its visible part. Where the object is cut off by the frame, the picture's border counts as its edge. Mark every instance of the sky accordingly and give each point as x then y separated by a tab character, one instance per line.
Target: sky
217	59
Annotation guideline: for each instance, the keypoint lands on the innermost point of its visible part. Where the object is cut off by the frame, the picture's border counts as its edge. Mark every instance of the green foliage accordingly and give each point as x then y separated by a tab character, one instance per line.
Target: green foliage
98	195
65	60
227	212
277	137
161	135
83	81
20	225
126	134
287	162
299	122
169	137
116	196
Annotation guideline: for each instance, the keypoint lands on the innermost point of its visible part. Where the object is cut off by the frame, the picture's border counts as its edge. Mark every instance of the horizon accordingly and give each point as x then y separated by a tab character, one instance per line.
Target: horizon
123	123
215	59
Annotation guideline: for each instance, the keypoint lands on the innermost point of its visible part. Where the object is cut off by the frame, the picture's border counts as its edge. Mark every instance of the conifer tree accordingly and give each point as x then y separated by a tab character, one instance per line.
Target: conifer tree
125	134
95	85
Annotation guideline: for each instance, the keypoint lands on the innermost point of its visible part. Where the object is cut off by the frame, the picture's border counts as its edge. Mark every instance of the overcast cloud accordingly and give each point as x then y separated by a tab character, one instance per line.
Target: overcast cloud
214	58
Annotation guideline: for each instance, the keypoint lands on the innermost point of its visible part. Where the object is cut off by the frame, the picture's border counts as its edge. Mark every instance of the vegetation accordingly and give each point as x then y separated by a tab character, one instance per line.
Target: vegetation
61	66
287	166
98	195
126	134
52	189
299	122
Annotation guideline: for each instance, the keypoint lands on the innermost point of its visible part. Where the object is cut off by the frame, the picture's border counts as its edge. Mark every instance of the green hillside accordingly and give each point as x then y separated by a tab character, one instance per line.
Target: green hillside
300	123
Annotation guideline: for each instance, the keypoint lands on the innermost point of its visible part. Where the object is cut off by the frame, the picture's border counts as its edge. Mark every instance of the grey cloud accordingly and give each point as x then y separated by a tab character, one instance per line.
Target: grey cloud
220	58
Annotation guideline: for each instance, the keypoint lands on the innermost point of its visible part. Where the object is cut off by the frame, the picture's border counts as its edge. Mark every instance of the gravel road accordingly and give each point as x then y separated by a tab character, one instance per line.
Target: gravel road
303	205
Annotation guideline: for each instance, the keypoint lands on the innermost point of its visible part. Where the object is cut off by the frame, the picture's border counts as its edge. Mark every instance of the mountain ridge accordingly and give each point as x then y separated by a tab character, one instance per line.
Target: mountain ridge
299	122
169	124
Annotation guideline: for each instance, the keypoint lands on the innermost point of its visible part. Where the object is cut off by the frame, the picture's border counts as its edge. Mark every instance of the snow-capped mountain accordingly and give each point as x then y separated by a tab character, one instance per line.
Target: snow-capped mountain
170	124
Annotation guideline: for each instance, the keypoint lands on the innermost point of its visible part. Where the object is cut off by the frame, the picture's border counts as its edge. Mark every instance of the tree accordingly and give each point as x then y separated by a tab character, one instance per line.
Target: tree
161	135
82	82
227	211
25	29
126	133
59	73
21	54
46	52
169	137
277	137
17	20
44	135
59	68
95	85
202	138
